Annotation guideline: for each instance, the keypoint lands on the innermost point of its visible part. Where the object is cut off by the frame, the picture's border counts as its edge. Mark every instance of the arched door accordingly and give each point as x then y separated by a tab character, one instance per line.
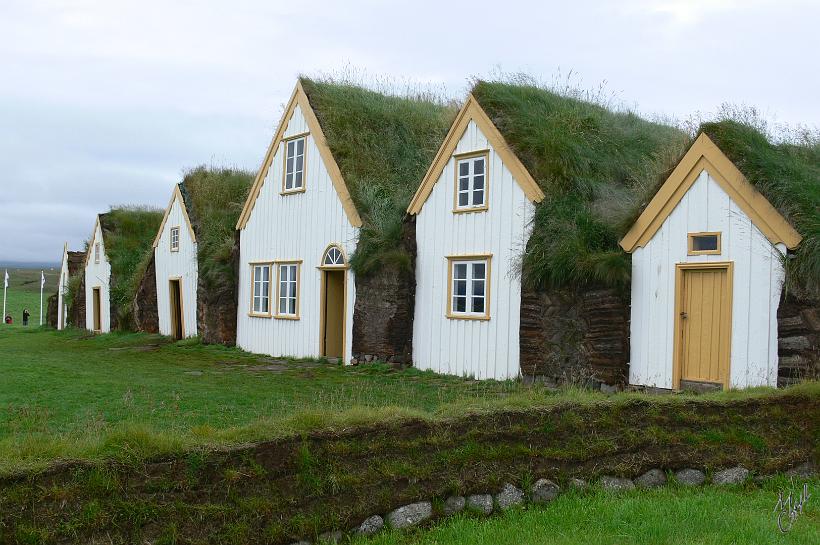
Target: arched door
333	301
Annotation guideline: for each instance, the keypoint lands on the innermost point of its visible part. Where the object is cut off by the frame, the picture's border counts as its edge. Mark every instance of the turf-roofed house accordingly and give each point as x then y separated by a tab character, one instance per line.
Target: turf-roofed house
194	253
518	270
326	256
116	260
713	254
70	290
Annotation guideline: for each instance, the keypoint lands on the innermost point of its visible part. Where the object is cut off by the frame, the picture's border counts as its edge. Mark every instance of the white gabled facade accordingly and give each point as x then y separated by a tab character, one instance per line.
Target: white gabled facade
97	277
483	345
175	264
294	230
62	290
735	315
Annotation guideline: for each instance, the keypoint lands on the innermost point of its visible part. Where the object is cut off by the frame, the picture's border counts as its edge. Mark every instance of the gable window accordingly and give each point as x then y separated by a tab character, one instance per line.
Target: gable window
288	290
260	289
333	257
294	177
97	252
471	182
704	243
468	290
174	239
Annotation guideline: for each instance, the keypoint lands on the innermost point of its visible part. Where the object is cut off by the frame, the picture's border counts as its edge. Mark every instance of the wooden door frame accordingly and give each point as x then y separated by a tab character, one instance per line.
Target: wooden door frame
322	304
725	365
181	309
96	309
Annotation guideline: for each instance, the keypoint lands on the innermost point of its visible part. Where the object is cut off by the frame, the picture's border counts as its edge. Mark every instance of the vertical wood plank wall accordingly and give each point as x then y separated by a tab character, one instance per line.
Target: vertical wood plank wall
98	274
181	264
291	227
482	349
757	284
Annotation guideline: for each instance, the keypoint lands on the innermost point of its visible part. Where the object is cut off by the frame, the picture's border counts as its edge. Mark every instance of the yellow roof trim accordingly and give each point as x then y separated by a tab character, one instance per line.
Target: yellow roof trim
472	111
299	98
91	242
705	155
177	194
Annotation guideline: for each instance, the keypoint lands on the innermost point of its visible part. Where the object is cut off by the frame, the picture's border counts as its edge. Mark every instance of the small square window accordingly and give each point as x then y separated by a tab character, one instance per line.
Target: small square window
97	252
471	182
174	239
294	174
704	243
469	277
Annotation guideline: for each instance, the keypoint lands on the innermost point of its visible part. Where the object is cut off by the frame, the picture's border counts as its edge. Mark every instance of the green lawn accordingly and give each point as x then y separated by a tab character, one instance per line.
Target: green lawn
671	515
24	292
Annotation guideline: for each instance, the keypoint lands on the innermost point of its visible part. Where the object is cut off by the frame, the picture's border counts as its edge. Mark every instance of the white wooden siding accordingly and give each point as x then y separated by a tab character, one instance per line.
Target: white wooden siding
62	287
482	349
181	264
98	275
757	284
293	227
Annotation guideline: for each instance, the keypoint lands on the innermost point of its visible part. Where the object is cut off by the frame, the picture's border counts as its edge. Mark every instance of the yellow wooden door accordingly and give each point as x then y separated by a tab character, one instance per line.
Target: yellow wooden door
705	324
97	309
334	314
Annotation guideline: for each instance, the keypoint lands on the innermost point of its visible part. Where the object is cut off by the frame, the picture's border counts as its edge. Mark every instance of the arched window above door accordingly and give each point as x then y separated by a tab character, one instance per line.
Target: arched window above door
334	257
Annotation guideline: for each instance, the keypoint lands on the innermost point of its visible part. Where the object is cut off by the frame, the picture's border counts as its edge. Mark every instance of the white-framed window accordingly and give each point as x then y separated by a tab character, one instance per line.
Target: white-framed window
333	257
471	182
174	239
469	287
96	252
287	280
294	176
260	289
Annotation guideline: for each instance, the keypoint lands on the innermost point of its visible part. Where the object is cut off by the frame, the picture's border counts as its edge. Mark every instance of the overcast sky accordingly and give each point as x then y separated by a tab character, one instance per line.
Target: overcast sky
106	102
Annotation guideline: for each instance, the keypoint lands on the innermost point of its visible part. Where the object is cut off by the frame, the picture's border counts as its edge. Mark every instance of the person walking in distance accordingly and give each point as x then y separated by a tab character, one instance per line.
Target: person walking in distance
26	314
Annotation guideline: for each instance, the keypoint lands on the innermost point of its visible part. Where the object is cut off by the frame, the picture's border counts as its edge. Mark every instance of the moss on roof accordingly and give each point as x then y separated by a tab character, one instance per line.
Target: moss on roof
128	233
788	175
214	199
383	145
593	164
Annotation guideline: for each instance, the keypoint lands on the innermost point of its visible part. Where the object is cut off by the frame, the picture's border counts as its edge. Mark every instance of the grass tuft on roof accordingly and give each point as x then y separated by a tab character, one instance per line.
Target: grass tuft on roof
383	144
128	234
593	163
214	198
788	175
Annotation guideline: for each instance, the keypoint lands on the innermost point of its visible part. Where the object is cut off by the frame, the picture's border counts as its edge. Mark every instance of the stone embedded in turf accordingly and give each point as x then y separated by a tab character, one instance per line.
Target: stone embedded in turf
577	483
410	515
803	471
509	496
544	491
651	479
733	475
615	484
483	503
371	525
690	477
454	504
331	537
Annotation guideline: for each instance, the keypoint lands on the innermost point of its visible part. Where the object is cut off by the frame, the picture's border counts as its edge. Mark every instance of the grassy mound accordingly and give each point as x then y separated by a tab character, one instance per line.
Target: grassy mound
214	198
788	175
128	233
383	145
593	165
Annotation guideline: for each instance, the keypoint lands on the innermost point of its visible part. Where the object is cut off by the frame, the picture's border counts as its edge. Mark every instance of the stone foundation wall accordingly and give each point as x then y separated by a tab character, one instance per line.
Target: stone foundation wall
798	346
383	314
52	312
577	337
216	307
145	311
76	311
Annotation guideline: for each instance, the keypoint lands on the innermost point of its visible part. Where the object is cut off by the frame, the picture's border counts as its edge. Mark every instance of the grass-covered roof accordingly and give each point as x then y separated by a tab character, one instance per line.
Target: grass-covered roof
788	175
594	164
214	198
383	144
128	233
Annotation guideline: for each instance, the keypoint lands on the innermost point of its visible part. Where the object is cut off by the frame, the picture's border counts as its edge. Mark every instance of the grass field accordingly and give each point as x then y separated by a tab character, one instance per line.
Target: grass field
672	515
24	292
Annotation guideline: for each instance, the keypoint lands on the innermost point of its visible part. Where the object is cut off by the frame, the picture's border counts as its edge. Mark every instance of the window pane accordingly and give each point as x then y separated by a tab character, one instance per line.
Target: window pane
478	197
283	306
264	305
478	270
459	304
288	181
299	161
265	274
257	289
292	306
463	184
460	270
298	179
293	289
291	146
463	168
289	165
478	287
478	182
300	146
463	199
478	166
478	304
460	287
704	243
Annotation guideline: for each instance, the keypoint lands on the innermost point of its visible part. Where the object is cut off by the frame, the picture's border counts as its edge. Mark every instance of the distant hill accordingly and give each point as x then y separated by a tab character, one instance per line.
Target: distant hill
28	265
